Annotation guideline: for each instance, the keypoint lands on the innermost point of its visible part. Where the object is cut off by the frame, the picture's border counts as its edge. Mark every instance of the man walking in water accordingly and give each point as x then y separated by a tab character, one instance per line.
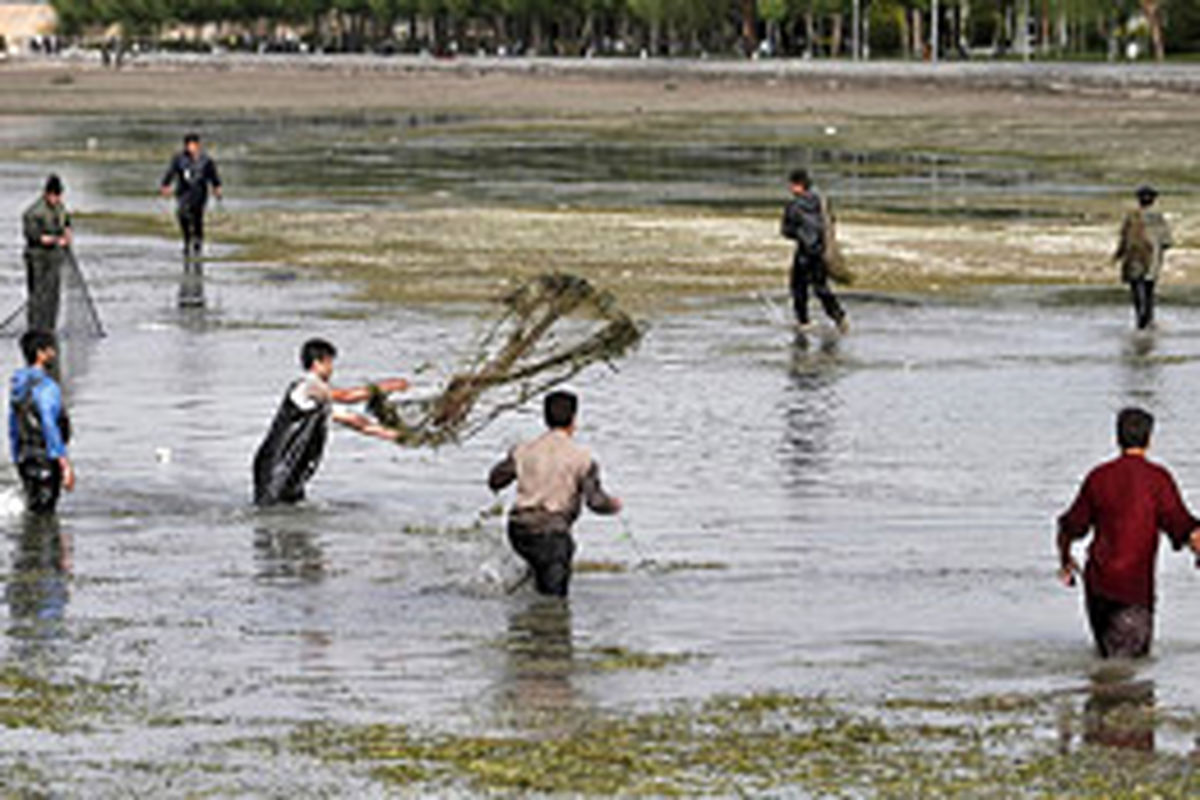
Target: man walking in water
291	452
47	228
38	429
554	476
804	223
1145	238
191	173
1124	503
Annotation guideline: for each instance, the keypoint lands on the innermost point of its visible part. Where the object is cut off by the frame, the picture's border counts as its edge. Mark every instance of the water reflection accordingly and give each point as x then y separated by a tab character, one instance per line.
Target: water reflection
537	685
1142	371
38	590
1118	712
288	555
811	401
191	285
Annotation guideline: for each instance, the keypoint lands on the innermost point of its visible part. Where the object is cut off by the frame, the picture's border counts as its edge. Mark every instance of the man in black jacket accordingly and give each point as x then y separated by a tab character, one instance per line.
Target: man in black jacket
191	172
804	223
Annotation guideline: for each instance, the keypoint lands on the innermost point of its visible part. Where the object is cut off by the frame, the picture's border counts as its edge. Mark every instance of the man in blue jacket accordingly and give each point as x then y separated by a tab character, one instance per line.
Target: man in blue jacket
38	428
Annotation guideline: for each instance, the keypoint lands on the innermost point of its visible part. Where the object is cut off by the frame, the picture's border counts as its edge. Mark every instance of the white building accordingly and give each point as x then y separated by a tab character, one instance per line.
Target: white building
21	21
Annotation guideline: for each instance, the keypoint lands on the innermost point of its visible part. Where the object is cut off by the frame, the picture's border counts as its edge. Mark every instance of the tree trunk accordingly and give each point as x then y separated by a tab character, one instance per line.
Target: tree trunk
810	34
918	35
1152	10
835	36
749	26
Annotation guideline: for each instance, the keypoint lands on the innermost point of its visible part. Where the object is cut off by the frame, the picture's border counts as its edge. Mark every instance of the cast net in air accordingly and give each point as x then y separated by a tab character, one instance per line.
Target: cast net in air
77	314
551	329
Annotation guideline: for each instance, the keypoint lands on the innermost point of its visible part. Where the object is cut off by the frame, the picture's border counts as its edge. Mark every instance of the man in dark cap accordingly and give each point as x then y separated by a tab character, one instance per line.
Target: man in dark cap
804	223
1145	237
47	228
191	173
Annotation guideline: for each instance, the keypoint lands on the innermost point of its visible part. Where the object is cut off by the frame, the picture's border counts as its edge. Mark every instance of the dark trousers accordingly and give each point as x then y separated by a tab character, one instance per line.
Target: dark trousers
548	554
43	279
42	480
810	272
191	223
1142	290
1121	630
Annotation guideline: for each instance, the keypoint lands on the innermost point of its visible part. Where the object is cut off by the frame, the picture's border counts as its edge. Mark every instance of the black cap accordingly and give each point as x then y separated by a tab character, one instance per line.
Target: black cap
1146	192
54	185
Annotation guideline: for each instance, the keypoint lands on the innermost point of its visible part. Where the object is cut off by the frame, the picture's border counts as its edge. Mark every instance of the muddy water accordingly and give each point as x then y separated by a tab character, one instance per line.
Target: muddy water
873	514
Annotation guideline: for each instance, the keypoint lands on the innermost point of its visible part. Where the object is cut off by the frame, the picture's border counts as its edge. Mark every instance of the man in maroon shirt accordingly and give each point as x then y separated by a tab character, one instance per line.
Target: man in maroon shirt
1126	502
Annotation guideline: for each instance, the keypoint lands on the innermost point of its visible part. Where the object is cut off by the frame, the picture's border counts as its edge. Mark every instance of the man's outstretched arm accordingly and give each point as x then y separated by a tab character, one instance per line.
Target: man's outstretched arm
360	394
363	425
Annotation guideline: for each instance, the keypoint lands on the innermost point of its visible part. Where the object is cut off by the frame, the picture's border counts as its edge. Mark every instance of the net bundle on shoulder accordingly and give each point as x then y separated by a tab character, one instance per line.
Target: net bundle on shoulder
551	329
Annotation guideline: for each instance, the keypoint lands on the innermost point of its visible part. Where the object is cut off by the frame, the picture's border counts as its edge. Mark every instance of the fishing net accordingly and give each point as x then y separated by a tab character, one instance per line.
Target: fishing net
835	260
77	318
552	328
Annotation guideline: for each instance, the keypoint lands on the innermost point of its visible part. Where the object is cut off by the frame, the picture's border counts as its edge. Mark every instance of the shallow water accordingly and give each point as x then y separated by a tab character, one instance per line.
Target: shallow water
880	505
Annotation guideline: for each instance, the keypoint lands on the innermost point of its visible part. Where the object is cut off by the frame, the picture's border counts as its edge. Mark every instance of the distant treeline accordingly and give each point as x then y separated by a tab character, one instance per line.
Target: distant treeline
815	28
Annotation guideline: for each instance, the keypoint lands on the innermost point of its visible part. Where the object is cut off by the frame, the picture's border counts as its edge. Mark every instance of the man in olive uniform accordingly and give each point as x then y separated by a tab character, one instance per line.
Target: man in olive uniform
47	228
1145	237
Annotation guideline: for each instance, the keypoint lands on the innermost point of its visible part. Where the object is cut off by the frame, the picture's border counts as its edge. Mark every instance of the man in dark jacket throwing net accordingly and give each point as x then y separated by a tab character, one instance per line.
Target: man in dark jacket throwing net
291	451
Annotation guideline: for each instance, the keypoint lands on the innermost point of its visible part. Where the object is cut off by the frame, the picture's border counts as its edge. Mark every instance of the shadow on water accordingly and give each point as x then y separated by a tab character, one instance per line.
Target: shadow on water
1142	370
537	687
811	401
1119	711
288	555
38	590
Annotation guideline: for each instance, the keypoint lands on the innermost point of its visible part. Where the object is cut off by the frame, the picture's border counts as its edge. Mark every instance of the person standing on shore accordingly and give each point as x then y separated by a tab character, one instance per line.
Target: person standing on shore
47	229
291	451
1145	238
804	223
191	173
1124	503
555	476
38	427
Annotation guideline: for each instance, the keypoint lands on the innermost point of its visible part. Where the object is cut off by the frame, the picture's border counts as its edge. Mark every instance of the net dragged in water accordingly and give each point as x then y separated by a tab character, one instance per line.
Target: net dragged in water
552	328
78	317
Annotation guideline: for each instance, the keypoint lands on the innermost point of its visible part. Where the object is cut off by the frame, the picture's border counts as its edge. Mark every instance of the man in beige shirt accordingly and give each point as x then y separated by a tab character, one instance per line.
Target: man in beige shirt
1145	238
555	476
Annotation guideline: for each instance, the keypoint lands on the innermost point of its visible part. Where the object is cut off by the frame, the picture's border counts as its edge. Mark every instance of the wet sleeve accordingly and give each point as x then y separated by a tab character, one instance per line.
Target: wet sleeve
169	176
1123	238
213	176
1078	519
49	406
31	226
1174	519
593	493
787	225
14	439
502	474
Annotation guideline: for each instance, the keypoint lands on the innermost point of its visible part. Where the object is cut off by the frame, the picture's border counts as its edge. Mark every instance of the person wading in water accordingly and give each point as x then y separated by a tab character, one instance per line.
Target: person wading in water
1124	503
804	223
1145	238
191	173
555	476
291	451
38	426
47	228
